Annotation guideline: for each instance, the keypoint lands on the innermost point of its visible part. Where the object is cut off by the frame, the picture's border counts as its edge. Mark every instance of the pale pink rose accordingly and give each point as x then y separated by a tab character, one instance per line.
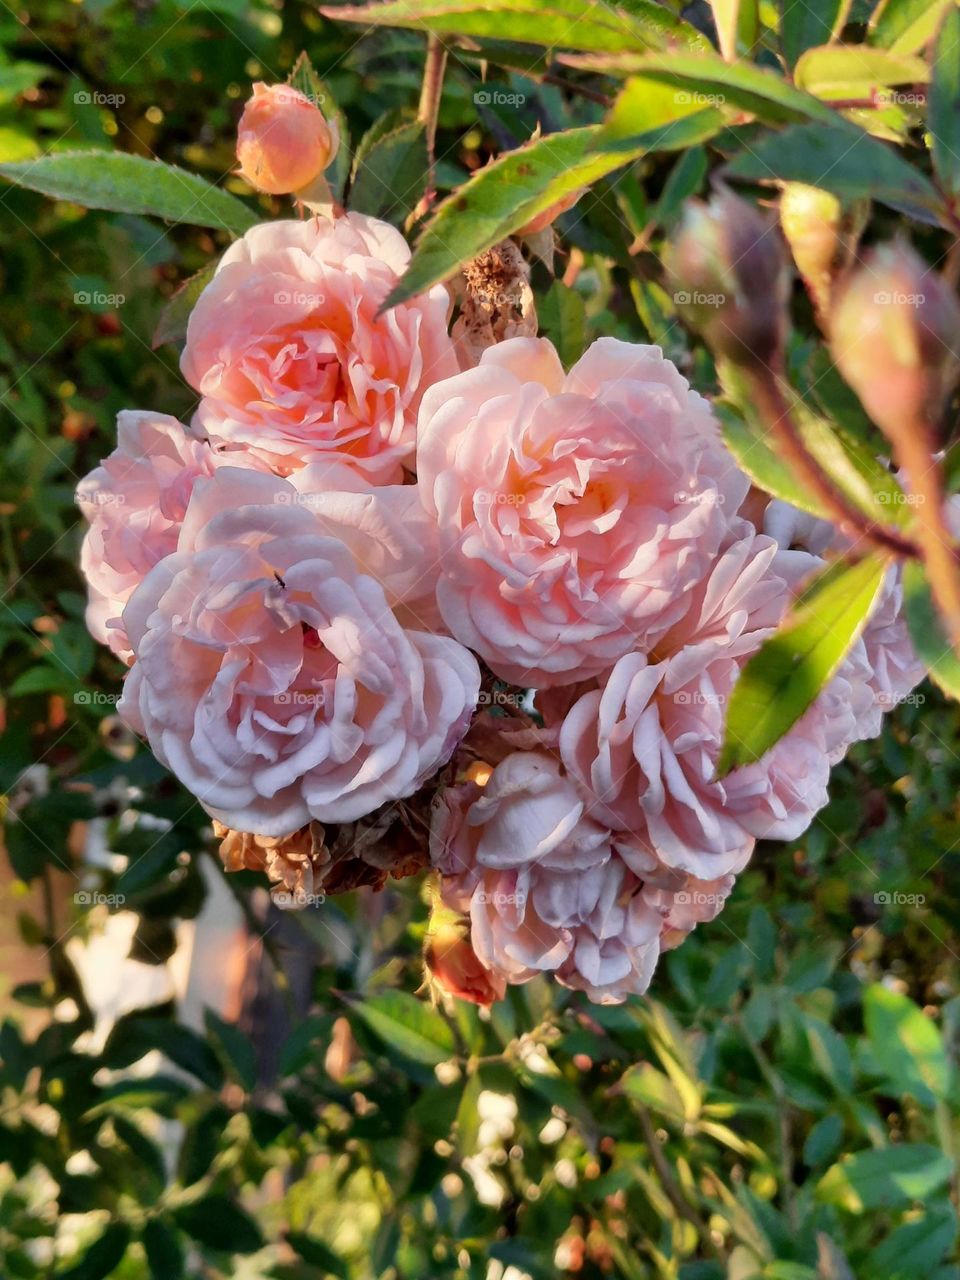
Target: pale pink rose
543	885
134	502
576	512
271	674
292	358
283	141
644	748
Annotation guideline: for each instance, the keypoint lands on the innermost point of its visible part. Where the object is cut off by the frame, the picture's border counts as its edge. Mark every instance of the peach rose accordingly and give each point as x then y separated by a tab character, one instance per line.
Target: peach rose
272	675
576	512
283	141
134	502
292	359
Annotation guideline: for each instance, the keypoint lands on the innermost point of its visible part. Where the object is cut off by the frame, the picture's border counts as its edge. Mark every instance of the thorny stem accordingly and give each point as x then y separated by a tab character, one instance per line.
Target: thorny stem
428	111
773	408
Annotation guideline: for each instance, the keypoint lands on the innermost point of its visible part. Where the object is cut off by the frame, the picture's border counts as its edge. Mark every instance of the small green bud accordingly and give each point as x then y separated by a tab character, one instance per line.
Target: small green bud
895	337
821	235
730	278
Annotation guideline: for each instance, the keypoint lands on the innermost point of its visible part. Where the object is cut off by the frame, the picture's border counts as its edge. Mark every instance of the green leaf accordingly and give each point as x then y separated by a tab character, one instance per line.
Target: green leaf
842	72
926	631
830	1053
823	1140
651	1088
943	107
887	1178
389	171
737	23
172	325
563	319
131	184
164	1251
304	77
906	1044
134	1037
804	24
219	1223
500	199
409	1026
653	114
849	163
18	78
585	25
915	1248
791	667
233	1048
906	25
318	1254
706	80
103	1256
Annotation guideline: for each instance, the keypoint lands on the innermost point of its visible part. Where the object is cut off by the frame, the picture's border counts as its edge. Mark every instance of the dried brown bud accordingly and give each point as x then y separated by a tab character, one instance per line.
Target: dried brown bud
497	303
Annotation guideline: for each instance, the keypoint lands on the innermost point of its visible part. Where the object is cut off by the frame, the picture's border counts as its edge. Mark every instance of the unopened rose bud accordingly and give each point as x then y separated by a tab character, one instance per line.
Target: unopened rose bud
820	234
730	277
452	963
283	141
895	335
549	216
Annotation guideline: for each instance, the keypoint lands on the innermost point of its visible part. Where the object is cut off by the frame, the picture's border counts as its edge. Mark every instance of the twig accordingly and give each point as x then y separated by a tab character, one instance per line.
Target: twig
429	110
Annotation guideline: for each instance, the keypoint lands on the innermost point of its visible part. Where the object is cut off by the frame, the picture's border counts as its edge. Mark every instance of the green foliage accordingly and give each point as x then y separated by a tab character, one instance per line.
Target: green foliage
785	1103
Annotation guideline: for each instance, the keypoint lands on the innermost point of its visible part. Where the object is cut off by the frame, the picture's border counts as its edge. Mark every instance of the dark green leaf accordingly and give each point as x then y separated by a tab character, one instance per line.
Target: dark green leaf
906	25
804	24
219	1223
823	1140
563	319
389	171
408	1025
915	1248
926	631
164	1251
172	325
132	1038
318	1254
131	184
233	1048
943	108
790	669
103	1256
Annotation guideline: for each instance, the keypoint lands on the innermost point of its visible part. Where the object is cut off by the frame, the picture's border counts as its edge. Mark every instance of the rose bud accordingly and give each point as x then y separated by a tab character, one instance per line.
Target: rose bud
283	141
895	331
730	277
452	964
820	235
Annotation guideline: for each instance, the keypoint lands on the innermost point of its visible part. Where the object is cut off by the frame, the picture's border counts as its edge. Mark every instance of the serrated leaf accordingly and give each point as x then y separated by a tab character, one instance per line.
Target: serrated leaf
906	25
943	105
927	632
172	325
131	184
793	665
847	162
906	1044
887	1178
409	1026
389	172
557	24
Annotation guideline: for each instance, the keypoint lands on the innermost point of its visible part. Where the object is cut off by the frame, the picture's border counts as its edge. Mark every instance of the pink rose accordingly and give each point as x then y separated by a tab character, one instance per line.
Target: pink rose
135	501
644	747
283	141
292	359
548	889
271	674
577	512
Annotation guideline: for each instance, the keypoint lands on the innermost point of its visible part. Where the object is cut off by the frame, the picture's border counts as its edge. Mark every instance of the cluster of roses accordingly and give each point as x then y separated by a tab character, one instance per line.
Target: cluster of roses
302	580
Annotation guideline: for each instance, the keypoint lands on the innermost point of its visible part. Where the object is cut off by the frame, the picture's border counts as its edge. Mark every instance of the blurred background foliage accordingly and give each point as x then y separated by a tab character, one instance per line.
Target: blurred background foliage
784	1105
